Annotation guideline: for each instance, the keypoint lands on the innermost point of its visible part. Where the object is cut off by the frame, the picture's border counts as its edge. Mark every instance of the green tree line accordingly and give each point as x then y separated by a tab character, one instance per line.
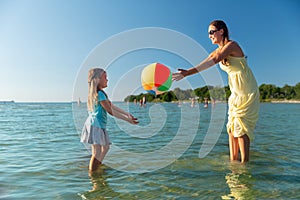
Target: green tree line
268	92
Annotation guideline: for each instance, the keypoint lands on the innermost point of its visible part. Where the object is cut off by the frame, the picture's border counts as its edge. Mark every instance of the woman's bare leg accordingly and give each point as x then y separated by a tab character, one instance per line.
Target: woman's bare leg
233	147
244	145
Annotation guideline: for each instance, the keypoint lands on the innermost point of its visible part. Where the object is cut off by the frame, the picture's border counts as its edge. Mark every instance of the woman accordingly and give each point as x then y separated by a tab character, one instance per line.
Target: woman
244	99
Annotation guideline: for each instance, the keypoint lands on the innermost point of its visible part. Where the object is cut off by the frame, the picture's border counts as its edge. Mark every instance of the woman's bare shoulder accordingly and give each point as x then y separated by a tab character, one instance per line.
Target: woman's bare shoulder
233	43
236	50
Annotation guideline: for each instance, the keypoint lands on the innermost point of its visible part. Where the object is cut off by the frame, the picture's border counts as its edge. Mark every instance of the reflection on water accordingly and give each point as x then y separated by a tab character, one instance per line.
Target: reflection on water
239	182
100	187
98	180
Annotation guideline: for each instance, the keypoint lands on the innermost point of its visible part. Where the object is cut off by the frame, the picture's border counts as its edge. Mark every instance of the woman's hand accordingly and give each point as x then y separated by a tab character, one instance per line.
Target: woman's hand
179	75
132	119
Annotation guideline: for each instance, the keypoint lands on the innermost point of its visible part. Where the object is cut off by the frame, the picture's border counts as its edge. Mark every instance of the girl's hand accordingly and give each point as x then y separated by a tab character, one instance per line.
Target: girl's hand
179	75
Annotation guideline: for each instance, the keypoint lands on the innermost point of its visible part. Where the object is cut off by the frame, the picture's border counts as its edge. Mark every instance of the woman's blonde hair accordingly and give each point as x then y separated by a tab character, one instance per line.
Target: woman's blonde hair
93	81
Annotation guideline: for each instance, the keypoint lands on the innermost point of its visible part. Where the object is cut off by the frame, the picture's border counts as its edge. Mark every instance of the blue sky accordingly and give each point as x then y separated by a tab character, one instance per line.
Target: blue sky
43	44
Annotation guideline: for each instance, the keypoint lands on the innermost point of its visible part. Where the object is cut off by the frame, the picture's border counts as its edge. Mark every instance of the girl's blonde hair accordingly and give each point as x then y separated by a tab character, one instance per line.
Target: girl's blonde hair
93	81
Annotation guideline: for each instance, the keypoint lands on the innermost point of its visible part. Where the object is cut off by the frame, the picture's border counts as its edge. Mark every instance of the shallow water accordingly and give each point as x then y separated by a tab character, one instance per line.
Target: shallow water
42	158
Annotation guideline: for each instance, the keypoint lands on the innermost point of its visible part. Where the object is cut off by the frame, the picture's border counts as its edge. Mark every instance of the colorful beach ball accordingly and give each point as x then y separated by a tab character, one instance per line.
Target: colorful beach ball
156	78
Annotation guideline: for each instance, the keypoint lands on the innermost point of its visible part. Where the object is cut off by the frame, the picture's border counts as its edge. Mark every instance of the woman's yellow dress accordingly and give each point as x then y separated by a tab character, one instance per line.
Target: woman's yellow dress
244	99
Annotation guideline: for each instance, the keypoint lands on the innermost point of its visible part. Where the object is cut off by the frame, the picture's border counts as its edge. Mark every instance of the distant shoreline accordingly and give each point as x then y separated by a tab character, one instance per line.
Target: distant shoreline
285	101
184	101
4	102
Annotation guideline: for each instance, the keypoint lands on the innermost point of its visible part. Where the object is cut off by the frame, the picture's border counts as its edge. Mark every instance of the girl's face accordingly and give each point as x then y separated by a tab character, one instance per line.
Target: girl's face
103	81
214	34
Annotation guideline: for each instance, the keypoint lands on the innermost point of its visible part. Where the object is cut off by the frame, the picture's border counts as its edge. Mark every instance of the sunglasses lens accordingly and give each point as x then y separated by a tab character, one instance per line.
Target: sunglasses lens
211	32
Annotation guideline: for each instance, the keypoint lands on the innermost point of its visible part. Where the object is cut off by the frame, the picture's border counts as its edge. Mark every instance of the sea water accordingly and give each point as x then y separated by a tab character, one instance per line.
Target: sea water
41	156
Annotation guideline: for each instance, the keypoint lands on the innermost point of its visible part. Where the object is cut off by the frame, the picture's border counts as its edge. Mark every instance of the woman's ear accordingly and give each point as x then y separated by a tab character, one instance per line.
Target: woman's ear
221	31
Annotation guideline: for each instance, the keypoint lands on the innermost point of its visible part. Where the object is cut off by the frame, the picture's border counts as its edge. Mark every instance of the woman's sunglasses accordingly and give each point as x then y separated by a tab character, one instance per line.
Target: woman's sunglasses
211	32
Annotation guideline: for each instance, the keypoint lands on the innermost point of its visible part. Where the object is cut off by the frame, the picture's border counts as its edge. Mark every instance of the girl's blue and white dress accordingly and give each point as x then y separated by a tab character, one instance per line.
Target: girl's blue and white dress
94	129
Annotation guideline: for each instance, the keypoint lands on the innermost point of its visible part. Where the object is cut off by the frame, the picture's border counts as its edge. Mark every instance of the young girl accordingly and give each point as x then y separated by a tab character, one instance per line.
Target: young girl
94	130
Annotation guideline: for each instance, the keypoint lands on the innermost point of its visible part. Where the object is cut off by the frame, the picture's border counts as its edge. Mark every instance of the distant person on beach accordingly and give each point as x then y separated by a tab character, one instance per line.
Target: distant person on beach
205	102
244	100
192	102
144	100
94	130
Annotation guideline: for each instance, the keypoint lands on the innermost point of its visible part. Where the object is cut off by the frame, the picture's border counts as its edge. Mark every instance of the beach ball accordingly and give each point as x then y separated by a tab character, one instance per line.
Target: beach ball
156	78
